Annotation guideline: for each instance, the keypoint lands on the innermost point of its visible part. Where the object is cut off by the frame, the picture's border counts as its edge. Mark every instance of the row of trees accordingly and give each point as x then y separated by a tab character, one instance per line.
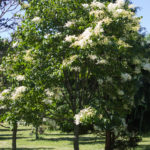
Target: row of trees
83	58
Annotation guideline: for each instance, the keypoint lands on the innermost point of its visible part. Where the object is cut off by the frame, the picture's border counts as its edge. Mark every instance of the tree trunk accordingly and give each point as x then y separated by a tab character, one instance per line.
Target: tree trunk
14	136
76	137
36	132
108	143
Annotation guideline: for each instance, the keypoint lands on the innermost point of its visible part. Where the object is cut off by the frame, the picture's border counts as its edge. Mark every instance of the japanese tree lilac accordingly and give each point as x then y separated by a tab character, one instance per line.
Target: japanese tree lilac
69	23
146	66
97	4
17	93
36	19
20	77
126	77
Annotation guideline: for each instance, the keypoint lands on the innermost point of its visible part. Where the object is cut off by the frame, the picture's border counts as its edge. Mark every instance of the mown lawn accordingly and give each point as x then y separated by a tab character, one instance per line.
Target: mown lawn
55	140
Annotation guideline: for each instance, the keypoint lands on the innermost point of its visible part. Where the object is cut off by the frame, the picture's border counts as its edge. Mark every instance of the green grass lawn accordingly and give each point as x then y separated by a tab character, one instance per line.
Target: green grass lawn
55	140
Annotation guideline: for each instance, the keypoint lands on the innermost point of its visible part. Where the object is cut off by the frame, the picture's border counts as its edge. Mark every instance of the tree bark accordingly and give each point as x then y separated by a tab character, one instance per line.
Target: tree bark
36	133
108	143
14	136
76	137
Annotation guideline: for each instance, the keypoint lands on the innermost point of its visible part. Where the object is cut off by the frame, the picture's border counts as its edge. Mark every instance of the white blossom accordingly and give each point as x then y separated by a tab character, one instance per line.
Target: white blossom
97	13
98	28
85	5
49	93
27	56
46	36
84	113
69	61
17	93
97	4
146	66
120	3
126	77
120	92
4	93
84	38
15	44
69	23
70	38
92	57
47	101
77	119
36	19
119	11
102	61
20	77
137	70
100	81
44	119
111	7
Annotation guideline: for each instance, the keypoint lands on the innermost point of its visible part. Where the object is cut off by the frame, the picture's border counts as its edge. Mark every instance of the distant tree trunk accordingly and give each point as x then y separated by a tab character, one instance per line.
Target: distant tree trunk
14	136
108	143
76	137
36	132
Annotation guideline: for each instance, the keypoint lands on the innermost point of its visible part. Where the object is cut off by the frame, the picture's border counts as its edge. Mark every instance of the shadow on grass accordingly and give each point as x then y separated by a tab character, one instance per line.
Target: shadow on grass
144	147
24	129
60	134
5	135
3	130
91	140
9	138
82	140
40	148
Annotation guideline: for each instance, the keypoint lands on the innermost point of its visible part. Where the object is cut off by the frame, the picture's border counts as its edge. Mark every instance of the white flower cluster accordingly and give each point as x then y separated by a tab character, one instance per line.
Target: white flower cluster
83	114
17	93
146	66
92	57
85	5
69	23
20	77
47	101
4	93
102	61
125	77
70	38
84	38
100	81
69	61
49	93
27	56
15	45
46	36
120	92
36	19
97	4
100	11
112	6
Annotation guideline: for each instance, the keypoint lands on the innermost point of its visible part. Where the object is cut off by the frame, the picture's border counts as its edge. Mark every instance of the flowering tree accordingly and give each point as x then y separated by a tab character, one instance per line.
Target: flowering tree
86	58
11	99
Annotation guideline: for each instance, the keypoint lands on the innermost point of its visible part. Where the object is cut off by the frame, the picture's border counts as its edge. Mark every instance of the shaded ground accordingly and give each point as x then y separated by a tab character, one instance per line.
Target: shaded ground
55	141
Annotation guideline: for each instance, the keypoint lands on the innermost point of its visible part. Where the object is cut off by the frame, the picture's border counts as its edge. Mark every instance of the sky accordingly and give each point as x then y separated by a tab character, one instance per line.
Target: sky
144	10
